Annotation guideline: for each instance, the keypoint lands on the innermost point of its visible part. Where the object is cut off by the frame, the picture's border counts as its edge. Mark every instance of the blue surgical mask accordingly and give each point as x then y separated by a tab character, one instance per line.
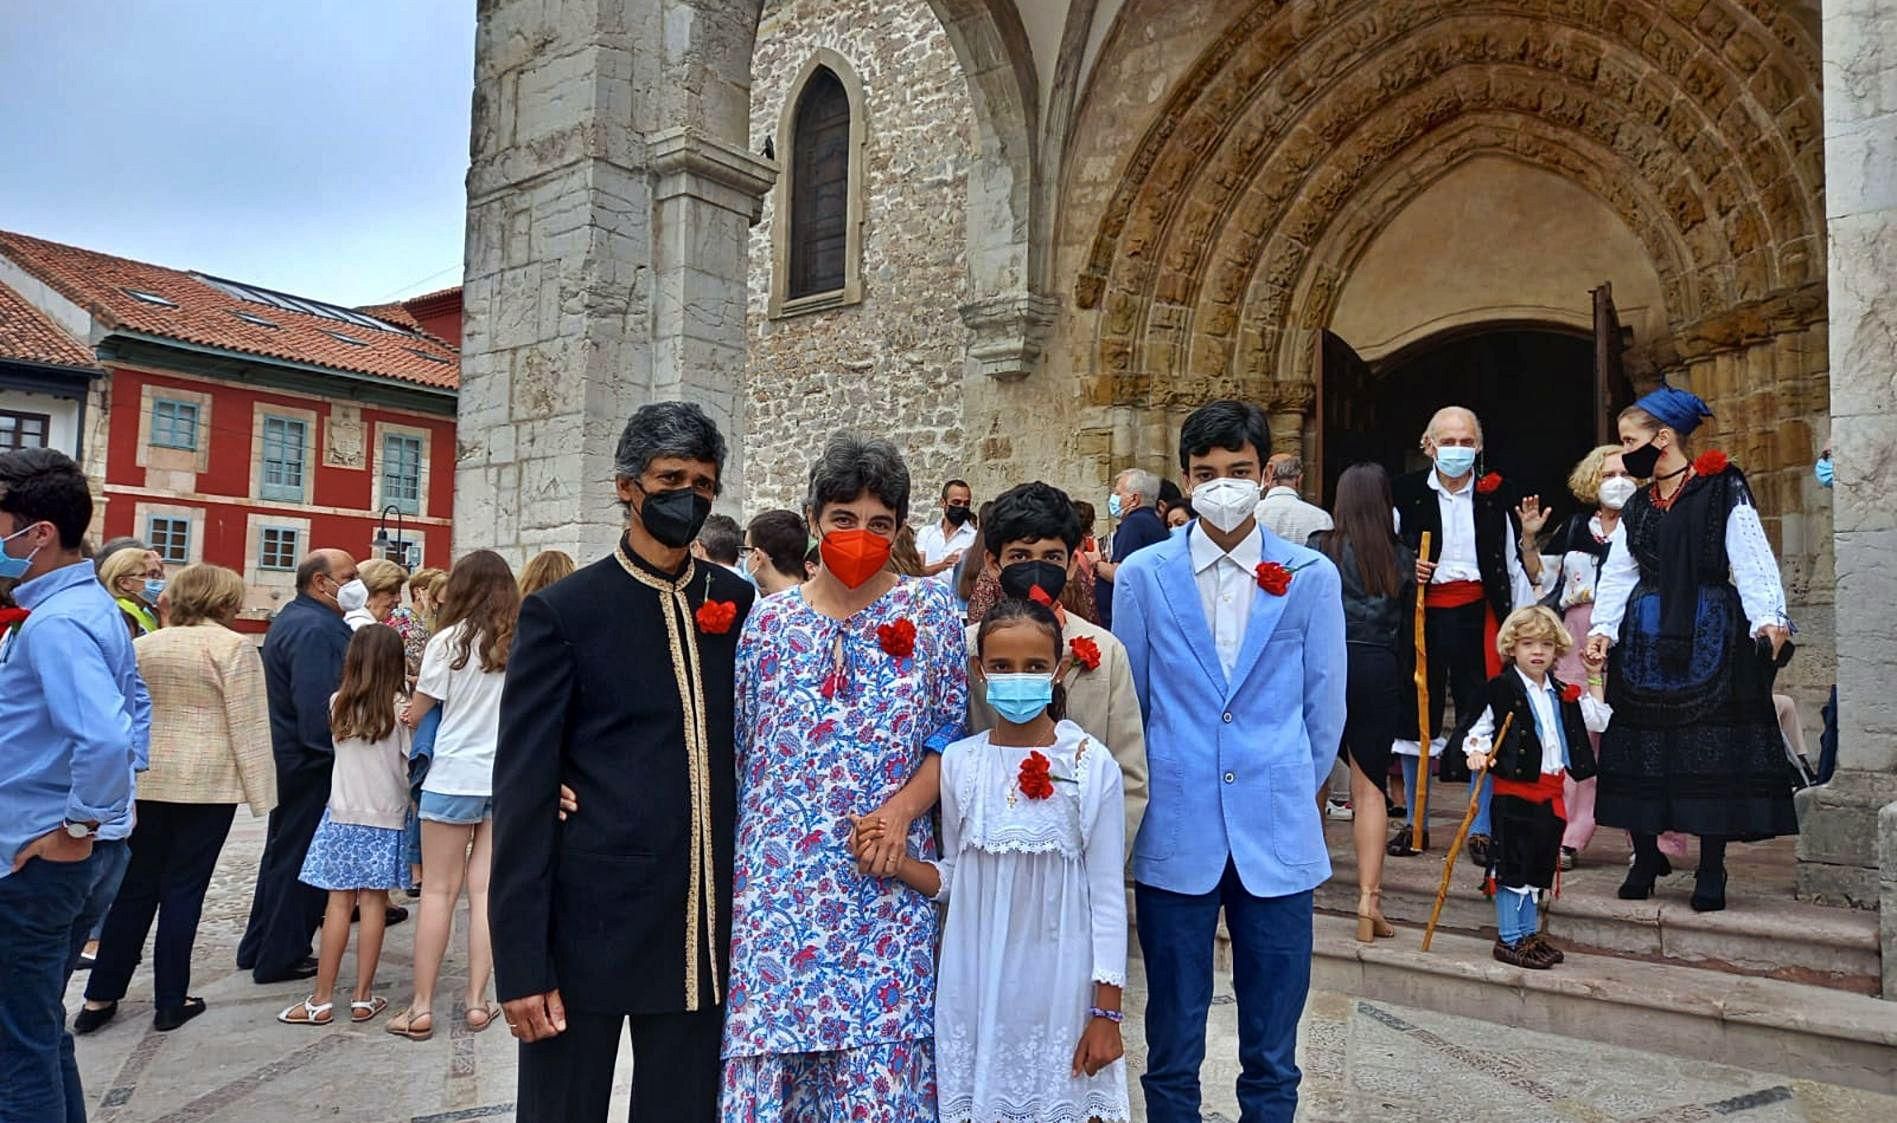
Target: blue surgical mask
1823	471
12	568
1113	505
154	588
1020	699
1454	461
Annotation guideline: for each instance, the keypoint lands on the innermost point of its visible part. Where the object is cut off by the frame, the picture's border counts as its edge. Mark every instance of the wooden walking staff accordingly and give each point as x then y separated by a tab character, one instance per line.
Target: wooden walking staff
1462	833
1419	815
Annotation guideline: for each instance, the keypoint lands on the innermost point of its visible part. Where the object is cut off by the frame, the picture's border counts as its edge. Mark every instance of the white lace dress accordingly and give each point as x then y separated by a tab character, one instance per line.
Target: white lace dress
1036	894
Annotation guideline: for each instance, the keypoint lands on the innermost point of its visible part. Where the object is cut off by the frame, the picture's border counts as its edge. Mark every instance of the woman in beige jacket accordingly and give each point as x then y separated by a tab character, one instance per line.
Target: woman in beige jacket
210	751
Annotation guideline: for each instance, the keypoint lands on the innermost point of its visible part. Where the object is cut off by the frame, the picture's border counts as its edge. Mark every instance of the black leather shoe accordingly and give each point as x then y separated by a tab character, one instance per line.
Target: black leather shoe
1478	847
164	1021
397	914
304	969
91	1021
1709	891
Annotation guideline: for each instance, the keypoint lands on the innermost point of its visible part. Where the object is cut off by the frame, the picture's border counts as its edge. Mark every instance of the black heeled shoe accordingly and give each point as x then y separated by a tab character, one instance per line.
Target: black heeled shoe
1709	891
1640	879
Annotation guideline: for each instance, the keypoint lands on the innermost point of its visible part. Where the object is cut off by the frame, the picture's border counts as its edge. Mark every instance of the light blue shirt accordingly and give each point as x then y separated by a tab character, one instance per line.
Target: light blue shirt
74	714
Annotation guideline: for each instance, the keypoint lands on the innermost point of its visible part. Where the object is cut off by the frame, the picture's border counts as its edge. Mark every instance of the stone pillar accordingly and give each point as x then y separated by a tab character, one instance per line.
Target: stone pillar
605	253
1837	848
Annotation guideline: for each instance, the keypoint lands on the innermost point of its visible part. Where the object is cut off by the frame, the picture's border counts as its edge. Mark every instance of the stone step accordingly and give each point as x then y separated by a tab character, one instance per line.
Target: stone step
1769	937
1814	1032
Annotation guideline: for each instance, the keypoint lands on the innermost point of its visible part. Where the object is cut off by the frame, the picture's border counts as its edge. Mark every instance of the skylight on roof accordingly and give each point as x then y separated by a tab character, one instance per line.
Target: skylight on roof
289	303
148	297
442	359
345	337
258	320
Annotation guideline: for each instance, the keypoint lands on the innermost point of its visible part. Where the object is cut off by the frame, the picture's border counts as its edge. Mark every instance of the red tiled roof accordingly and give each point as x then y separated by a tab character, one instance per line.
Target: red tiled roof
204	314
393	312
31	336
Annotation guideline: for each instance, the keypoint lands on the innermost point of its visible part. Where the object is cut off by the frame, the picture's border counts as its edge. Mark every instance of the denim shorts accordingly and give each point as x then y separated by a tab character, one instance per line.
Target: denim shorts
461	810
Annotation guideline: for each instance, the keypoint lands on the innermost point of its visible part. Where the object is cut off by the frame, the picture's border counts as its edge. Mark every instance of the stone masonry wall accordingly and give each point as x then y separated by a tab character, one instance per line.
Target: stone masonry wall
891	365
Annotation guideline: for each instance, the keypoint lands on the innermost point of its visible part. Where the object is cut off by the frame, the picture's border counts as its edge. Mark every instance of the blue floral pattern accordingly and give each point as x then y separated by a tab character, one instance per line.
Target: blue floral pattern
830	725
352	856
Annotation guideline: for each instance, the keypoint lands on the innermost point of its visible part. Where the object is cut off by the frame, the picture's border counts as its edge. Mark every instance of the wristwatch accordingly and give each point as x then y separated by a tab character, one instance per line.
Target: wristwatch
79	830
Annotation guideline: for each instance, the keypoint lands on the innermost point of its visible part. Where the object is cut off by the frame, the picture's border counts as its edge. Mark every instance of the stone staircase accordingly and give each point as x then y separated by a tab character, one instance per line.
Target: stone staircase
1771	983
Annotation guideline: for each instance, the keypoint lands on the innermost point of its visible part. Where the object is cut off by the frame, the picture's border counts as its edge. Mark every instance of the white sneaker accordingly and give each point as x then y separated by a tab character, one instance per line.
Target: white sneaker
1338	809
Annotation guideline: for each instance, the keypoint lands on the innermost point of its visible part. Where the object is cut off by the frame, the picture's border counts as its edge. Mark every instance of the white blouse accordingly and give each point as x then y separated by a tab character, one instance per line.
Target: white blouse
1595	714
1036	894
1754	573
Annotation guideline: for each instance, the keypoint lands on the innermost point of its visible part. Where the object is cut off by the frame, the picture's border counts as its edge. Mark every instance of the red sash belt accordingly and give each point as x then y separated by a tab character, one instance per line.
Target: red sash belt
1545	789
1459	594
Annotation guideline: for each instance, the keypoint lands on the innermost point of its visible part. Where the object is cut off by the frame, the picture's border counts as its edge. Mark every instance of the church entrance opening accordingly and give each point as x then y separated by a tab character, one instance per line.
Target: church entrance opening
1533	388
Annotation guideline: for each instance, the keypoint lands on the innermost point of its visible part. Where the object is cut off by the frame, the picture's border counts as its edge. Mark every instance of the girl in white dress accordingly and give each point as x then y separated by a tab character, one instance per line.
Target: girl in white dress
1033	960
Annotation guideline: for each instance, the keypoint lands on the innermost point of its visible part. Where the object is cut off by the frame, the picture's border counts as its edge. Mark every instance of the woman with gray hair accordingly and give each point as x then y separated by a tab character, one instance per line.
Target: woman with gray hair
847	687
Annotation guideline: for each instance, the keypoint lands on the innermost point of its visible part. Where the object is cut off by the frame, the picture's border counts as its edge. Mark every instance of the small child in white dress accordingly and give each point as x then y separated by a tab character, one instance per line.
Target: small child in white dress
1033	960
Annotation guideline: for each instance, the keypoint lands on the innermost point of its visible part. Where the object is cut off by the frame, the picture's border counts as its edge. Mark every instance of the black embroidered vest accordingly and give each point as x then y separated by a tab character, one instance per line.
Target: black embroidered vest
1519	756
1421	510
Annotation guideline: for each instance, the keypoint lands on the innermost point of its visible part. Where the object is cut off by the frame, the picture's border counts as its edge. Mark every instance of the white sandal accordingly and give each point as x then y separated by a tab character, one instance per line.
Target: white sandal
312	1013
366	1010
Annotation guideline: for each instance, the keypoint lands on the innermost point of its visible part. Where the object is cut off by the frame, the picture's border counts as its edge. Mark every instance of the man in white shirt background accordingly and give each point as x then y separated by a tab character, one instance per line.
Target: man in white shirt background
1283	510
943	542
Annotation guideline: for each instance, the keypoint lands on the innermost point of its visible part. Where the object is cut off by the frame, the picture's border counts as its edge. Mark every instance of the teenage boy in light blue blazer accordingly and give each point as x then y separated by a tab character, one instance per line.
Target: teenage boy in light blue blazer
1236	640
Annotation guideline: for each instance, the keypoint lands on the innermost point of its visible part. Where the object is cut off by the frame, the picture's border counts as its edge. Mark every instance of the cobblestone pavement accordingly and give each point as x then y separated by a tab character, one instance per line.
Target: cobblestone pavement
1362	1060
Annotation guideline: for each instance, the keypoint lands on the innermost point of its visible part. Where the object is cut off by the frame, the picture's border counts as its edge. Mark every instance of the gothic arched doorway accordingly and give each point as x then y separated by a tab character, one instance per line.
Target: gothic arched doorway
1533	387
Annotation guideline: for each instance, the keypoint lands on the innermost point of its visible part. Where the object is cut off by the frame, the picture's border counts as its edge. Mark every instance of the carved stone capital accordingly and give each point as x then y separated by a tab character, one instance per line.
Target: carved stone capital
1010	330
687	162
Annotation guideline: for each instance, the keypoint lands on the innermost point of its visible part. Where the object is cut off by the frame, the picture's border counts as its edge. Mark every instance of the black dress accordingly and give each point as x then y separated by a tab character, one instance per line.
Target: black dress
1379	640
1694	744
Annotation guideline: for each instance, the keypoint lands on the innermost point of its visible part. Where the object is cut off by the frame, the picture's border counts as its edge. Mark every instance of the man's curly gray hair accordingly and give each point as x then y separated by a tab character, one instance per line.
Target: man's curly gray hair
663	429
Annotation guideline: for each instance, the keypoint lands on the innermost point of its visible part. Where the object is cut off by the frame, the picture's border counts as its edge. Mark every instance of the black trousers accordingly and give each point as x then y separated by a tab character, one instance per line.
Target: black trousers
675	1079
284	912
174	851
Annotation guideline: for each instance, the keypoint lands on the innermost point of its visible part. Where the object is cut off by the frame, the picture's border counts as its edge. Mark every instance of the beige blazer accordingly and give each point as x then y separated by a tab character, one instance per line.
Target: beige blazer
1100	701
210	719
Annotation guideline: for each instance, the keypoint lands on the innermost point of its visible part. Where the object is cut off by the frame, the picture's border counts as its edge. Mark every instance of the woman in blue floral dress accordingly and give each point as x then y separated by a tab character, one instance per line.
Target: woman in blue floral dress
845	686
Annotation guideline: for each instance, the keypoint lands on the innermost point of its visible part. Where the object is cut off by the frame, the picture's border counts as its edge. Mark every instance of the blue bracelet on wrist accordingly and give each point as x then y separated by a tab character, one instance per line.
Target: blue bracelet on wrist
1114	1016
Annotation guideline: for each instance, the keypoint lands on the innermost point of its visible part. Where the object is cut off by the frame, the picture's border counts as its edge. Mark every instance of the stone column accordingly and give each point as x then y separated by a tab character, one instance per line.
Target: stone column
605	251
1838	845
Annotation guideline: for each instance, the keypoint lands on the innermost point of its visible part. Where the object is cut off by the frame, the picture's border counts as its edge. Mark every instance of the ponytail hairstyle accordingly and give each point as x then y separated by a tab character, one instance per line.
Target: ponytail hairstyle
375	674
1013	611
482	593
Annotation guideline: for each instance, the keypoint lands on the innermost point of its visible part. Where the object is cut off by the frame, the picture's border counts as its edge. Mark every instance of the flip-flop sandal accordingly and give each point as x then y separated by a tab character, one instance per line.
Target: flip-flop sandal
308	1012
403	1025
367	1011
489	1012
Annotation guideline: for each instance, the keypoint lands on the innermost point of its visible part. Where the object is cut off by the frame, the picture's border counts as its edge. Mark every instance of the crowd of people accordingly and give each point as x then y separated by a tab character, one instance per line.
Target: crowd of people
837	814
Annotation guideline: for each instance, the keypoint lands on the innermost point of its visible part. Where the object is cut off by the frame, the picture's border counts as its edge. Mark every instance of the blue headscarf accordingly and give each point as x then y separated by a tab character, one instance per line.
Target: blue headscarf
1678	410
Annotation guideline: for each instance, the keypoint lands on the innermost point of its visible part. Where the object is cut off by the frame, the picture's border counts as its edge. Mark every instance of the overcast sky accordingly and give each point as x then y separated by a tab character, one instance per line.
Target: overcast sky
314	146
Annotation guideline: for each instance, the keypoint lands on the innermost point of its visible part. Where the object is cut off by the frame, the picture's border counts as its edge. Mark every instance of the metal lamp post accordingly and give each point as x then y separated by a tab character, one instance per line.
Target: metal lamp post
382	545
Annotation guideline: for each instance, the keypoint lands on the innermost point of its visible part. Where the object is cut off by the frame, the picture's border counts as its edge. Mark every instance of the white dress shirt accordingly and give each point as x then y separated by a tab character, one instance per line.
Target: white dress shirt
1456	560
1227	583
1285	513
1595	715
1754	574
933	545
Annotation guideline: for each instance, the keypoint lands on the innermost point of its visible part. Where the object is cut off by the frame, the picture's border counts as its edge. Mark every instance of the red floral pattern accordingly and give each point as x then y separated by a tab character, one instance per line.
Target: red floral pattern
1086	653
898	638
1489	484
1274	578
1570	692
715	617
1036	779
1711	463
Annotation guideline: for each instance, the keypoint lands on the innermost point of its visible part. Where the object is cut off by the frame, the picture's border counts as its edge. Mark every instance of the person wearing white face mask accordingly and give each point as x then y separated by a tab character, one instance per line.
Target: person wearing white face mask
353	598
1577	552
1482	564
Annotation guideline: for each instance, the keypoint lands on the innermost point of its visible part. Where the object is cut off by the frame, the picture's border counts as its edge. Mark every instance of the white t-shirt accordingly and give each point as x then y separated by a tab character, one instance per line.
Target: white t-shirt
933	545
470	716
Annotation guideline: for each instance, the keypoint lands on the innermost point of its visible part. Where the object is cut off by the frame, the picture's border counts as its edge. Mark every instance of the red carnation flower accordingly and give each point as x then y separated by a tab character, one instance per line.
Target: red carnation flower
715	617
1489	484
1039	596
1711	463
1570	692
898	638
1036	780
1274	578
11	616
1086	652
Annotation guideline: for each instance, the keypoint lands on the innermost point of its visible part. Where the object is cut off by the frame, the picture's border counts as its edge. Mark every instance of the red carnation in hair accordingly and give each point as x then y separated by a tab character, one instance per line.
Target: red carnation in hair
1489	484
1711	463
898	638
715	617
1570	693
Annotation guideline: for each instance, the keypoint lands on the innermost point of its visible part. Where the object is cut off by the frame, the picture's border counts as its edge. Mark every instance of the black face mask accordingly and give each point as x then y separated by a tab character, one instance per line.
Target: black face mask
1022	578
957	515
674	517
1641	462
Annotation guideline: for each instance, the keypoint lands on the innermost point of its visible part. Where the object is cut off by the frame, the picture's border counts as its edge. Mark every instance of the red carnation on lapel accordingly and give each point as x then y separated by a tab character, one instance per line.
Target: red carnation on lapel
1274	578
1711	463
715	617
1570	692
1489	484
1036	780
11	616
1086	652
897	637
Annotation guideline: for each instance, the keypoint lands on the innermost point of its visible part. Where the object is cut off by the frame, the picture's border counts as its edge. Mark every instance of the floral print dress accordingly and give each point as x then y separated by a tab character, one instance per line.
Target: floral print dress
833	718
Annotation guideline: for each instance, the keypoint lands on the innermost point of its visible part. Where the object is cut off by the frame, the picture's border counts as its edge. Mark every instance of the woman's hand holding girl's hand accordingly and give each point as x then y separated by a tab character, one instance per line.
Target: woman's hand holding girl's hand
879	841
406	715
1100	1046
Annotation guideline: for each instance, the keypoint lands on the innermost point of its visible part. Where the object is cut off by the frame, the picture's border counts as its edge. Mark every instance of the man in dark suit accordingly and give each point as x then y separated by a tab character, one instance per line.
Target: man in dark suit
620	686
302	666
1135	493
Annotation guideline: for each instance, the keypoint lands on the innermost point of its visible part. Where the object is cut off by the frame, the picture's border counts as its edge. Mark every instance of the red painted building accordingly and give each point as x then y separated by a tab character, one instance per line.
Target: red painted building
246	427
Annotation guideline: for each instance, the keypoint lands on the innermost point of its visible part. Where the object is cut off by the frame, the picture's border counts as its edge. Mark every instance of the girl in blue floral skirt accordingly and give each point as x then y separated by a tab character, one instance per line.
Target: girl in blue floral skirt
358	851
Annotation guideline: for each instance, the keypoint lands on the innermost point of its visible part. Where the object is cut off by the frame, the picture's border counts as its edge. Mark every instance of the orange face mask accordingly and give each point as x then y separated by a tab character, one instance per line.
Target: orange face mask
854	556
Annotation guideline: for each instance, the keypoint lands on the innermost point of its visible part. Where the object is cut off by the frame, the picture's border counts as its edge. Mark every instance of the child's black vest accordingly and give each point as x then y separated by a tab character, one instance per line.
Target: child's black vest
1495	523
1519	756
